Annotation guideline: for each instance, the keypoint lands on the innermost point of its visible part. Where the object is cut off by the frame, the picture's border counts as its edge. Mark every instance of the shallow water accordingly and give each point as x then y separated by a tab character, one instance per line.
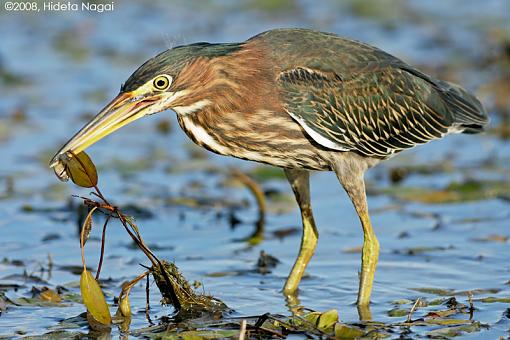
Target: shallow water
59	68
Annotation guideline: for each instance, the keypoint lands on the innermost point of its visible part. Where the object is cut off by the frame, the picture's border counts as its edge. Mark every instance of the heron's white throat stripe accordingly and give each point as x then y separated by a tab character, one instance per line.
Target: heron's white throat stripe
202	136
185	110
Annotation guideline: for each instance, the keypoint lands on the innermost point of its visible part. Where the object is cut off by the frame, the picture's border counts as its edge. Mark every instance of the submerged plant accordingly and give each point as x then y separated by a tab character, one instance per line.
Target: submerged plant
173	286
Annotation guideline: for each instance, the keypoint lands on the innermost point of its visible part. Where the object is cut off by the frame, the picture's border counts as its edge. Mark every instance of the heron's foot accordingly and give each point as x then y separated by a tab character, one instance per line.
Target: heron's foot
293	303
364	313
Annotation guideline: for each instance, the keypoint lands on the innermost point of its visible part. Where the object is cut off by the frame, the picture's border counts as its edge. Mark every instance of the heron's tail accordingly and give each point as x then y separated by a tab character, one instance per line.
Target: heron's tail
468	112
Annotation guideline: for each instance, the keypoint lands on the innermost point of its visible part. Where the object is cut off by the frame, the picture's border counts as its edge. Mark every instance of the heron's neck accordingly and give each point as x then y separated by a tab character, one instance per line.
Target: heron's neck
242	81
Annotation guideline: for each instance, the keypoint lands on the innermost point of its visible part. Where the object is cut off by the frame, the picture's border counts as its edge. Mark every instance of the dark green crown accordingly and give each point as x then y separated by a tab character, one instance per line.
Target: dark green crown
172	61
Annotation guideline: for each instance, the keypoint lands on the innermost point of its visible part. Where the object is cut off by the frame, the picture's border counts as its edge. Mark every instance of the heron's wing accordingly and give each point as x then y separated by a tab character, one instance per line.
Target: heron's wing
376	110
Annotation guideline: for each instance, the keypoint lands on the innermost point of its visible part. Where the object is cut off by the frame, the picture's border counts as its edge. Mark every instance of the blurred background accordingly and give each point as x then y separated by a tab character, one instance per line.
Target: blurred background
441	211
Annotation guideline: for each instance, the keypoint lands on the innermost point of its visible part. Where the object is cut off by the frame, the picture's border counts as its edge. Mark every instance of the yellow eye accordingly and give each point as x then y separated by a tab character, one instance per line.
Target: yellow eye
162	82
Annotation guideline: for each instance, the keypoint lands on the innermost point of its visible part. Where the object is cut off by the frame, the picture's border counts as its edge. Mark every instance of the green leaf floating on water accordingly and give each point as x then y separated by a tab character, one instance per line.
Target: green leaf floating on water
398	312
434	291
93	298
50	295
323	321
491	299
347	332
448	322
203	334
471	190
447	332
25	301
452	292
327	319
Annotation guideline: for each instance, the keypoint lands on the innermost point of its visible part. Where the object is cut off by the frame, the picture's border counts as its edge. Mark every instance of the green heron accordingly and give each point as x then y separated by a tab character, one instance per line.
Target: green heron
297	99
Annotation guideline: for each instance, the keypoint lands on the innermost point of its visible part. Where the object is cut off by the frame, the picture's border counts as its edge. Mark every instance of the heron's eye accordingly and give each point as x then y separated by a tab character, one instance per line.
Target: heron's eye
162	82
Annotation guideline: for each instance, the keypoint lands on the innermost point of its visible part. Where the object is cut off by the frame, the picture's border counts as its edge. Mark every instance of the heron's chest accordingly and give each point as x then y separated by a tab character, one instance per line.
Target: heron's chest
202	135
270	140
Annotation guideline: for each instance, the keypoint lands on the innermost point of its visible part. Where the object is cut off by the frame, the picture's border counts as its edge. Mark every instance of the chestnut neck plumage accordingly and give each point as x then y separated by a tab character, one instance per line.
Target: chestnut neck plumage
241	81
232	108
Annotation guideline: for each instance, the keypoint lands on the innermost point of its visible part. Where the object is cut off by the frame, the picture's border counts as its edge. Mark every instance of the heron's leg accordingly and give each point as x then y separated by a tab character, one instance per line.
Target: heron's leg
351	177
299	181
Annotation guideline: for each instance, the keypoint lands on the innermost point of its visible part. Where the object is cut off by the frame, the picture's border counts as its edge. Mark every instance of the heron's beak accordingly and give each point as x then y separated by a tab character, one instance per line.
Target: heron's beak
122	110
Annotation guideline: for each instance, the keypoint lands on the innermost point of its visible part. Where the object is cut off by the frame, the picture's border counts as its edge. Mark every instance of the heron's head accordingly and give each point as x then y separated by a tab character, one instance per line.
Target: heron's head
176	79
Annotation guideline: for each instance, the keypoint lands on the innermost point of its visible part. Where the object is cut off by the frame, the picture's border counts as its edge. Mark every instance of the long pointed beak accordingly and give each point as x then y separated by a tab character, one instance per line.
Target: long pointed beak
122	110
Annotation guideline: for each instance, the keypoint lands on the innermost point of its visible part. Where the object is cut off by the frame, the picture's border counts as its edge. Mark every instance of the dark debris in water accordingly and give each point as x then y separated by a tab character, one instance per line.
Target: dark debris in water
266	262
450	321
177	292
422	250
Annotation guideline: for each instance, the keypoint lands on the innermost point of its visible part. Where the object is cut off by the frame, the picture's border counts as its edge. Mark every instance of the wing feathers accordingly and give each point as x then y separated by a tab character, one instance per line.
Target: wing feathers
377	111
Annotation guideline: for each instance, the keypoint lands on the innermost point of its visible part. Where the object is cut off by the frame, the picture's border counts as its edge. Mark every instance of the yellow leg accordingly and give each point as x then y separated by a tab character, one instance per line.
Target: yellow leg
350	175
299	181
369	258
308	244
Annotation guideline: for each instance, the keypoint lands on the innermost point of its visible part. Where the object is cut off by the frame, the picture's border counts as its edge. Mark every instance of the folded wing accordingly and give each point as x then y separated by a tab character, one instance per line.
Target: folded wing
379	109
